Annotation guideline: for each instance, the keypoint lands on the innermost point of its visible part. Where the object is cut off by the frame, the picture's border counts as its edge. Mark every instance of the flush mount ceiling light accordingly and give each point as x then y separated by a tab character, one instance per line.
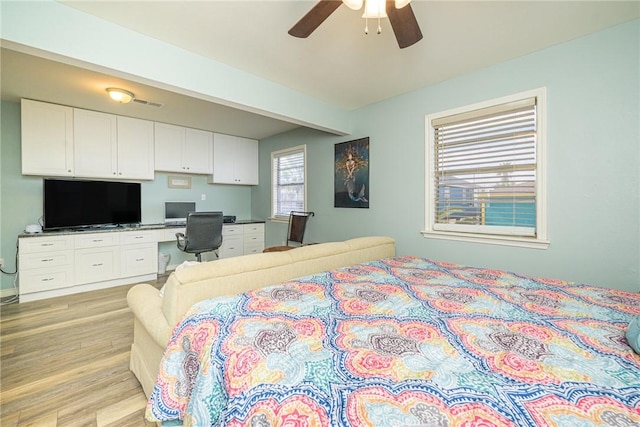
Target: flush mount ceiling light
120	95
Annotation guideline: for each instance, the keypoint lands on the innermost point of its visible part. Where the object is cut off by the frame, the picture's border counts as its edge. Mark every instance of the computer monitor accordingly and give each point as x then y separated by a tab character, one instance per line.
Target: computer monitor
177	212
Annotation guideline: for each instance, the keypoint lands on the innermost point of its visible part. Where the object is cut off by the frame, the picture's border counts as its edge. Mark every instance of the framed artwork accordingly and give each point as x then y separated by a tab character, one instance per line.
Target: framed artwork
351	181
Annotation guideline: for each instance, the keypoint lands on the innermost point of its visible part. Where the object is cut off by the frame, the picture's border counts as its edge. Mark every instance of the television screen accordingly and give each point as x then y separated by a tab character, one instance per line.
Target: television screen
78	203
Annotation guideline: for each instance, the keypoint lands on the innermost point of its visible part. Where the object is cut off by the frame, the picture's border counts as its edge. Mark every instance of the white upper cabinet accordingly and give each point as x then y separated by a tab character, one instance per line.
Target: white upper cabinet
95	144
47	139
235	160
184	150
110	146
135	148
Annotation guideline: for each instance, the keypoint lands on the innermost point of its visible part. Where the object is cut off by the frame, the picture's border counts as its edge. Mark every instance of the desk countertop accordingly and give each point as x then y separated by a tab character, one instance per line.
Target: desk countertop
120	228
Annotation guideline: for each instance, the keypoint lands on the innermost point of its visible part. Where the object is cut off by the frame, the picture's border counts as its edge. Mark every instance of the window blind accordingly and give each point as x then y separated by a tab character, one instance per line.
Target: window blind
288	182
485	170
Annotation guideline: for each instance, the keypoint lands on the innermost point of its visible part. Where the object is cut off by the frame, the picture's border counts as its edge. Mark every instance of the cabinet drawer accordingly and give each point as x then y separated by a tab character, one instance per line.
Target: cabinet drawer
45	279
96	264
97	240
170	234
254	229
253	248
232	230
45	244
250	239
127	238
43	260
231	247
139	259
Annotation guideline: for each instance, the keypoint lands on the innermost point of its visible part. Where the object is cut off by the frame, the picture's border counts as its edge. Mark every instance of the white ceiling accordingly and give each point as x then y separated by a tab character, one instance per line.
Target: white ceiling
338	63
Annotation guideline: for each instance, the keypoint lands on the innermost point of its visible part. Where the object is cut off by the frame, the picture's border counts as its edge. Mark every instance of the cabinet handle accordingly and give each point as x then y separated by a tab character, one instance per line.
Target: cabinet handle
46	244
138	237
139	259
96	265
97	240
47	279
46	260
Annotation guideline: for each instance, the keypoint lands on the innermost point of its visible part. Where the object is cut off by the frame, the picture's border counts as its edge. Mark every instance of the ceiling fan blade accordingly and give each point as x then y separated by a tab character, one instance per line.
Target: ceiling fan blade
316	16
404	24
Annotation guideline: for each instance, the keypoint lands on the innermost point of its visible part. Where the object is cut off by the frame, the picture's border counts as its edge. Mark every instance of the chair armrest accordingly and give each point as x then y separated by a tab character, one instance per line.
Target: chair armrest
181	240
146	304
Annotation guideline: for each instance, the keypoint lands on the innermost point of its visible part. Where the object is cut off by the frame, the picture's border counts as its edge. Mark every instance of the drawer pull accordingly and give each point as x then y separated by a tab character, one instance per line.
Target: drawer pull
47	279
97	240
96	265
139	259
47	244
139	237
47	260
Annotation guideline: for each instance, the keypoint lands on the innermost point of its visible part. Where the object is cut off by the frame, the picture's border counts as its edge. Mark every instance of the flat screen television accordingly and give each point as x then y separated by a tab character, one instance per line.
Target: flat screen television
71	203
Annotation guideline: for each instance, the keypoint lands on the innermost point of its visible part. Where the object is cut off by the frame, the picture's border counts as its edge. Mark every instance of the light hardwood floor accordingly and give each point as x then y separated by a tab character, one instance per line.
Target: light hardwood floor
65	362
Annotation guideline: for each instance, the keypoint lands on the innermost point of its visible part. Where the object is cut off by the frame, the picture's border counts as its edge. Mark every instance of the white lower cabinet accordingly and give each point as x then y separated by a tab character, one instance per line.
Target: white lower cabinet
65	264
232	243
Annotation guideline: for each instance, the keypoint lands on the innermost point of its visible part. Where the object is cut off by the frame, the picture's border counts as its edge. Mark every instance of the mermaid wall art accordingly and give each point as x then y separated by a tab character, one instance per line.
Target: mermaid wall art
351	181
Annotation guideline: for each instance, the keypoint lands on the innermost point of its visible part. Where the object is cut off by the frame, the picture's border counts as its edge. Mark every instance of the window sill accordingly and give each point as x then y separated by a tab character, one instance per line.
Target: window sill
282	219
522	242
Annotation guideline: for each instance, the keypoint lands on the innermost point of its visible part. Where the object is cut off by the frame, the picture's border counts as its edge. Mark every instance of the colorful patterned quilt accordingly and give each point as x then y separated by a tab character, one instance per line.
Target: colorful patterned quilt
404	341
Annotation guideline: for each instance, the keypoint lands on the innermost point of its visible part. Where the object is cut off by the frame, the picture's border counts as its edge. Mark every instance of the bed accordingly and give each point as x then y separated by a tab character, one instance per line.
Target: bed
404	341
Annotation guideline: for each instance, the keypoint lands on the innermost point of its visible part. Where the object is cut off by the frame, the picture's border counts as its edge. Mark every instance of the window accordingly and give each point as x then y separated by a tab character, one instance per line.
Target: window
288	181
485	172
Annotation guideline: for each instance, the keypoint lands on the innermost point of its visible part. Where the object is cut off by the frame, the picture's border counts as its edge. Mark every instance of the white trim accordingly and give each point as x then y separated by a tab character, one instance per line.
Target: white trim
541	240
285	151
521	242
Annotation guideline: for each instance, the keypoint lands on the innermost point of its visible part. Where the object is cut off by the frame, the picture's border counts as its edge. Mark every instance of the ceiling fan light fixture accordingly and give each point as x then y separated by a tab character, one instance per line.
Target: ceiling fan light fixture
120	95
353	4
375	9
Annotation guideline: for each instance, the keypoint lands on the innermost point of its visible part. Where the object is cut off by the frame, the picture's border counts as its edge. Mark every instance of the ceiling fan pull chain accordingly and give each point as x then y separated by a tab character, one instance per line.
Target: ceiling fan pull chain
379	27
366	25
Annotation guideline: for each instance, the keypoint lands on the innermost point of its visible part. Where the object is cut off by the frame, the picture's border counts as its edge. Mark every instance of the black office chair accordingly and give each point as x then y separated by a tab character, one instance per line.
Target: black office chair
203	233
297	226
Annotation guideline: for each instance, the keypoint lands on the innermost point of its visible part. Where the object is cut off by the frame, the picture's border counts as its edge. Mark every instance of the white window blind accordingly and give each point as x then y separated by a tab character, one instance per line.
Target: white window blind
288	181
485	170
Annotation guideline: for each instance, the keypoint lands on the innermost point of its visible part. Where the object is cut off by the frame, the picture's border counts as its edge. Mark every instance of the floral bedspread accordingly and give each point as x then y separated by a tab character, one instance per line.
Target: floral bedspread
404	341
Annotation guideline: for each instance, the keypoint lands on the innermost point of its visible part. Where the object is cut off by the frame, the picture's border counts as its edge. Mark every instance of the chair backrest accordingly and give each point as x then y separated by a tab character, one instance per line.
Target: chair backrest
297	226
203	232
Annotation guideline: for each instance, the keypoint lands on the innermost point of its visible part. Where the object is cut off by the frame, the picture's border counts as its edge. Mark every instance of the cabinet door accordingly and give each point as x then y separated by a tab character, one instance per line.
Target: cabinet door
135	148
168	142
197	151
223	158
95	144
246	161
47	139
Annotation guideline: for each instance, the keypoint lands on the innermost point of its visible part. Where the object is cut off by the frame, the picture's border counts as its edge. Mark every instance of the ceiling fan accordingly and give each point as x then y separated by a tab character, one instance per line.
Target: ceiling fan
400	14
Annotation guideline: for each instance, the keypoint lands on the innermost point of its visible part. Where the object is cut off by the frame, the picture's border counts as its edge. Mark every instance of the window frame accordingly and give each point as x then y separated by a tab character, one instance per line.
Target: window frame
282	153
540	240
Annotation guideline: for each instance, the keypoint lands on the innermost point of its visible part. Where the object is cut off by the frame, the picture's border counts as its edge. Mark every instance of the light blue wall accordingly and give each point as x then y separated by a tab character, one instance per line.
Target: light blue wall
21	197
593	163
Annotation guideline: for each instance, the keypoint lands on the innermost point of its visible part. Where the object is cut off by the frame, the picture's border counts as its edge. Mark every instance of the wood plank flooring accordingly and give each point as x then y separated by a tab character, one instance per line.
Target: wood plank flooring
65	362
